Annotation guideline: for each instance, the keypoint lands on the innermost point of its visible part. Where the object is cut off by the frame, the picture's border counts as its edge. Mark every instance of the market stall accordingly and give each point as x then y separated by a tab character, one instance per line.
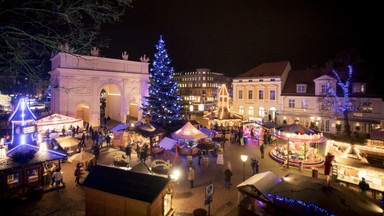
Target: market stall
188	136
56	122
303	146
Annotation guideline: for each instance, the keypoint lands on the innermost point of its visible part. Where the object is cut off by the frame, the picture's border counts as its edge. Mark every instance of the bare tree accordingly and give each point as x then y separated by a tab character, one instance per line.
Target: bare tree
32	31
342	67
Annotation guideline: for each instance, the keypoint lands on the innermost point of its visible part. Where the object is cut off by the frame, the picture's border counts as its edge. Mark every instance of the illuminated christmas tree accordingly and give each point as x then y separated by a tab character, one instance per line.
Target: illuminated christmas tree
163	102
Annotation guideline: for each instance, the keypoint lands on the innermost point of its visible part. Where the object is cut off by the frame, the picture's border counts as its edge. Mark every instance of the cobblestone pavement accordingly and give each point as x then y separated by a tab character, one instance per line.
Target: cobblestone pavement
71	199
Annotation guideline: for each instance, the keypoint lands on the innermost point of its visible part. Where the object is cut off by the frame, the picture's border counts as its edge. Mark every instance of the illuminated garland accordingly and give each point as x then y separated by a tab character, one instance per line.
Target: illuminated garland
312	207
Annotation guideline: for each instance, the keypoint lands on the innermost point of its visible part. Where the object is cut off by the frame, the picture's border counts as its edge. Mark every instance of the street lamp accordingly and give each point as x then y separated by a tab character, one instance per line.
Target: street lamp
244	158
288	135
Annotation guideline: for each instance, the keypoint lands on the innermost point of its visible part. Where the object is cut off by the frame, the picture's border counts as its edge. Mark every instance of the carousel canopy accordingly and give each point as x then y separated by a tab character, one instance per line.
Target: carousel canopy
297	129
188	132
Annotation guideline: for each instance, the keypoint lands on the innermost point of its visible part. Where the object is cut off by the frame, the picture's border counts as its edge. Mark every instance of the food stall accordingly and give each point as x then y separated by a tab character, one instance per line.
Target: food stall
303	146
56	122
188	136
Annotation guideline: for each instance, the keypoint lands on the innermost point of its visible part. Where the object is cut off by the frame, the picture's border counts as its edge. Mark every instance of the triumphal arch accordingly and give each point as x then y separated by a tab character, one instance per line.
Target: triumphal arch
92	87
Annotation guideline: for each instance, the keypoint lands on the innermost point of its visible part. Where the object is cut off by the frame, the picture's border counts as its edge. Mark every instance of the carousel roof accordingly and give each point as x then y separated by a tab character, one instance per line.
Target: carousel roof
297	129
188	132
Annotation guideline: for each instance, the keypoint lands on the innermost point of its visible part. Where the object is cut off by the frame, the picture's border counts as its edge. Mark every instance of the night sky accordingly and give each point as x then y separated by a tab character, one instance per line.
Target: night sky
234	36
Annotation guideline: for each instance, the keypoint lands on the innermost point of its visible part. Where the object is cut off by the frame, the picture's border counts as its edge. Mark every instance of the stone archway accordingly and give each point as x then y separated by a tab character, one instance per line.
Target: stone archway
80	79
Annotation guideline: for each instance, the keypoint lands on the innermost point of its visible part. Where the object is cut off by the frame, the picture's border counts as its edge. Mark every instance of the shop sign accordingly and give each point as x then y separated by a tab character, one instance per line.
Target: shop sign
30	129
375	142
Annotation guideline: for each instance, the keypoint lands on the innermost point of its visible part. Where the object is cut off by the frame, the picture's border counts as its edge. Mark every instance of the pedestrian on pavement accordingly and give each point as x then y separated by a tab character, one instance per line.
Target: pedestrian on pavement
77	130
199	156
87	127
262	146
227	178
90	130
108	139
58	178
78	174
97	152
128	151
191	175
328	165
364	186
253	164
83	139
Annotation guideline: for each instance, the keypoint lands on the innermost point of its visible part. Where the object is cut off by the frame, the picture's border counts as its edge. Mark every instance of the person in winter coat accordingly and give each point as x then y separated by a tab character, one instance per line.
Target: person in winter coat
58	178
78	174
227	179
191	175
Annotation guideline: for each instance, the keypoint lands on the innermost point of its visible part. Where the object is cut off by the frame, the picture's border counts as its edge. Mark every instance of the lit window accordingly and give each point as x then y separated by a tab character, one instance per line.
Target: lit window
304	104
261	112
13	180
358	88
367	107
241	110
300	89
250	112
261	94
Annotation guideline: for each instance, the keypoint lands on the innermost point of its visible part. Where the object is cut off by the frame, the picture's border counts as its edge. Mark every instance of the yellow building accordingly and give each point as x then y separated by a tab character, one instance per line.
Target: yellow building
256	93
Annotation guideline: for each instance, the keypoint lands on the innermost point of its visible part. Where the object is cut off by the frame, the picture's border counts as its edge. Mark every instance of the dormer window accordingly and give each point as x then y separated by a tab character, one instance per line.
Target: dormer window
301	88
358	88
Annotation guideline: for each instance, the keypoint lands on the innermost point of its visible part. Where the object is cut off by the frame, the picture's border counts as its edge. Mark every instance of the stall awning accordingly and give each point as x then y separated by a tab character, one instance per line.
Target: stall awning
263	182
119	127
207	131
167	143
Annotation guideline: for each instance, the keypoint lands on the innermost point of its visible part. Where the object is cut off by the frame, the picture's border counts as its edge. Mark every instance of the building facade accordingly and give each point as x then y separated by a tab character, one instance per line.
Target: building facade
200	86
257	93
304	96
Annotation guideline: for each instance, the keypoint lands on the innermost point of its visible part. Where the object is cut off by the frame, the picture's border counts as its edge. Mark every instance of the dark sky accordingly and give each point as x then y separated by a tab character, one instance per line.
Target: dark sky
235	36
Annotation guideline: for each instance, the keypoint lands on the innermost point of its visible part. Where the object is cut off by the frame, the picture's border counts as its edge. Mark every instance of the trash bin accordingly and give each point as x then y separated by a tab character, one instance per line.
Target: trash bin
200	212
315	173
37	192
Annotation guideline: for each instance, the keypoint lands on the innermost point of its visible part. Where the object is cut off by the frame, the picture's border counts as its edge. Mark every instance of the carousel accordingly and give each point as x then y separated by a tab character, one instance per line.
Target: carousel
55	123
303	146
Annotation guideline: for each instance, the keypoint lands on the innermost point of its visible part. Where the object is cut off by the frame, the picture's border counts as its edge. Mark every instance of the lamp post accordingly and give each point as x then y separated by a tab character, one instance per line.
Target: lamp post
288	135
244	158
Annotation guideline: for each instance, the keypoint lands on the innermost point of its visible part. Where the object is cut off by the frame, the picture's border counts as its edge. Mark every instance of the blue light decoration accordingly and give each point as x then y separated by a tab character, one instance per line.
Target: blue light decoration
309	206
163	102
24	130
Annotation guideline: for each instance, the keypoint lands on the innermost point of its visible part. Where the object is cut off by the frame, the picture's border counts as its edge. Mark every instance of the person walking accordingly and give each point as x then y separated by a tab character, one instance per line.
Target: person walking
97	152
364	186
262	146
78	174
58	178
108	139
128	151
328	165
199	156
253	165
191	175
83	139
227	178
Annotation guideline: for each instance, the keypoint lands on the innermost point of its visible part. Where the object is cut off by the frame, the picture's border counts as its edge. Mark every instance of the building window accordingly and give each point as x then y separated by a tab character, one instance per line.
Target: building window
367	107
304	104
358	88
240	94
241	110
324	89
261	112
261	94
250	94
300	89
272	95
327	125
250	112
291	103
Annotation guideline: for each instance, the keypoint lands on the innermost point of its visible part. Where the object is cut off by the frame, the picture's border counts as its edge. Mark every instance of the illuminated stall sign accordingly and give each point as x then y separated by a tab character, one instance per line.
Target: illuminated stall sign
378	143
29	129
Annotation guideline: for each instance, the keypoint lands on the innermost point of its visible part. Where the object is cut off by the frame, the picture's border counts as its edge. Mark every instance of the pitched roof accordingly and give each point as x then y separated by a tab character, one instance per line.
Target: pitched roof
267	69
138	186
305	76
22	112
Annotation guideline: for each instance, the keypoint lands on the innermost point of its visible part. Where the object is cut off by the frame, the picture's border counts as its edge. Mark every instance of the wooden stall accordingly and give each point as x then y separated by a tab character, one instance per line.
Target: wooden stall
114	191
